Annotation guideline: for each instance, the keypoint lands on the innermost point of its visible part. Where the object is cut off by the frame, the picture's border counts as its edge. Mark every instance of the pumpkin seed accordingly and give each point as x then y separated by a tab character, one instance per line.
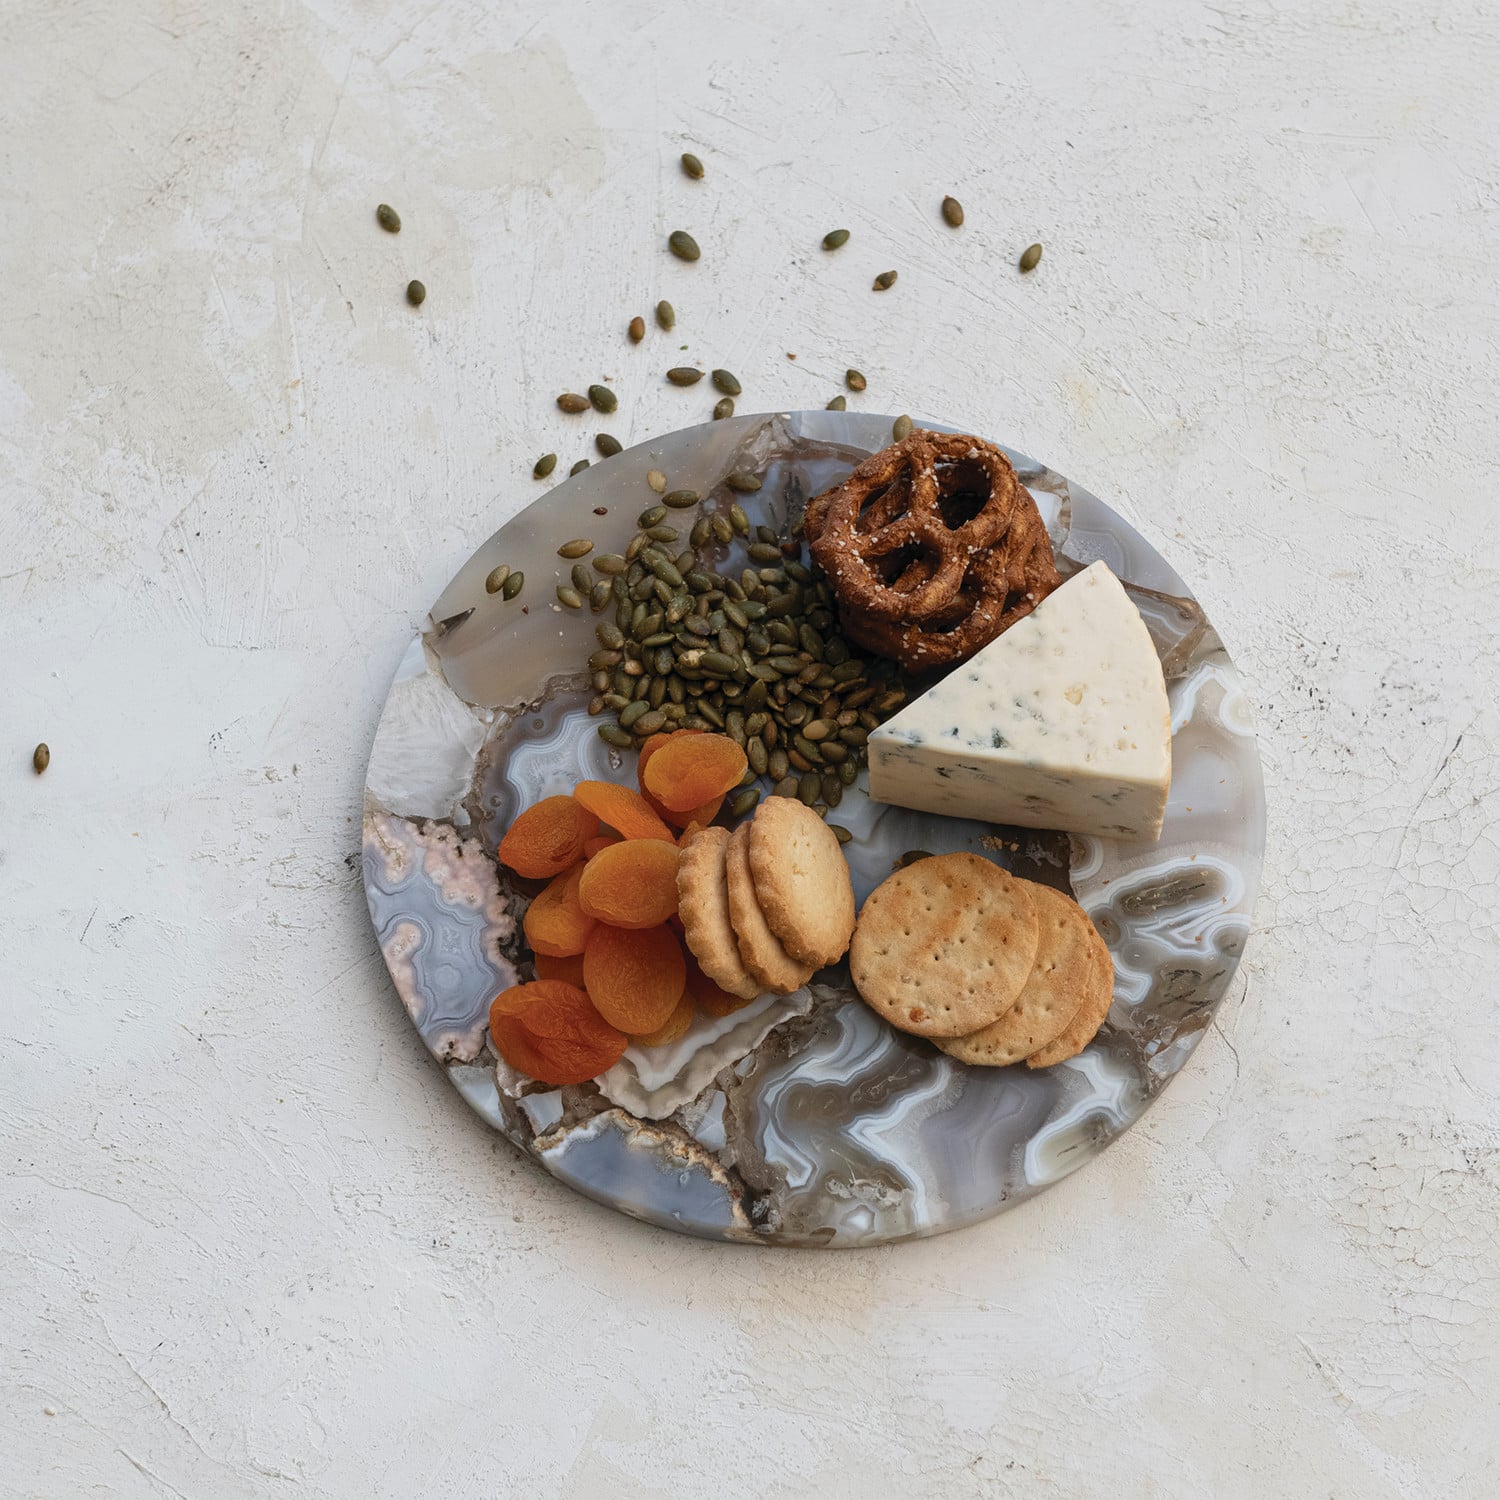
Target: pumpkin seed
901	429
680	499
683	245
637	329
569	597
572	403
653	515
833	788
911	857
722	530
819	729
656	480
786	787
582	579
599	595
661	533
612	734
854	380
809	787
744	802
739	520
636	710
885	281
544	466
758	755
742	482
416	293
666	316
608	446
610	564
723	407
833	752
839	832
578	547
849	772
953	212
1029	257
838	404
725	382
692	166
835	238
513	586
41	758
609	635
578	468
684	375
495	581
603	399
388	219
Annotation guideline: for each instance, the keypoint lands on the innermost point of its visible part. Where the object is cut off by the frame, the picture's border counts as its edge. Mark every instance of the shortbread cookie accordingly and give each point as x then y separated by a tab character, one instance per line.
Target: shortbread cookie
703	905
1059	982
1082	1028
760	949
944	946
801	881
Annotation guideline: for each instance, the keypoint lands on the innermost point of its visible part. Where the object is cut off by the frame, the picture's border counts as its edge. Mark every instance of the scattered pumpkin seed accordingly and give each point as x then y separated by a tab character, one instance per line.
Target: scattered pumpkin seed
912	856
809	787
742	482
834	238
723	407
495	580
885	281
578	468
953	212
692	167
608	446
603	399
684	375
901	429
744	802
599	595
683	245
738	519
680	499
666	316
583	580
653	515
416	293
578	547
657	480
570	597
41	758
854	380
544	466
513	586
725	382
637	329
839	832
572	403
388	219
838	404
612	734
1029	257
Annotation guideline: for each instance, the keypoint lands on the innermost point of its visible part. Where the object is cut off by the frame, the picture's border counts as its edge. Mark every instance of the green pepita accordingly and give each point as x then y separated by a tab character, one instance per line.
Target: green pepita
610	564
901	429
683	245
838	404
953	212
578	547
388	219
885	281
495	580
724	381
1030	257
569	597
41	758
691	166
416	293
602	399
680	499
835	238
637	329
855	380
513	586
572	403
666	316
612	734
684	375
723	407
544	466
578	467
608	446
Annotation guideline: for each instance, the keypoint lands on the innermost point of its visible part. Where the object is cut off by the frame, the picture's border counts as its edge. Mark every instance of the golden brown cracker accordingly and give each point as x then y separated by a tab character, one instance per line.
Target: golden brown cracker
703	905
1081	1030
801	881
761	951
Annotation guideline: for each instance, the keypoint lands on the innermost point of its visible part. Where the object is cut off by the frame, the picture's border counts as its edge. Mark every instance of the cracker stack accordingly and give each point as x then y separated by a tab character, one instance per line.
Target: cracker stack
992	969
767	906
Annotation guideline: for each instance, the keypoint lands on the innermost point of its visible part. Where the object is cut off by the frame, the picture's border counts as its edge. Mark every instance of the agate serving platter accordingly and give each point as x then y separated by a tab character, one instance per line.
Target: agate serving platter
801	1120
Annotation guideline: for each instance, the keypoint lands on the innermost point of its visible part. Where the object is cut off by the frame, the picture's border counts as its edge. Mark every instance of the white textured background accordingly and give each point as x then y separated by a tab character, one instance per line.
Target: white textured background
250	1242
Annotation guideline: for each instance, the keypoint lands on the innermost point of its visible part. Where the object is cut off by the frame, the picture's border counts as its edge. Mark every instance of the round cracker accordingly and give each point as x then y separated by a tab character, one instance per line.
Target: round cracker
760	949
944	947
1081	1030
801	881
703	905
1057	986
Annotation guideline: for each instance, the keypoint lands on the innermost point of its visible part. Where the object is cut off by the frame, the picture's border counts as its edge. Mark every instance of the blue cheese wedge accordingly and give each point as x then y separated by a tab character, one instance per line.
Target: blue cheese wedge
1062	722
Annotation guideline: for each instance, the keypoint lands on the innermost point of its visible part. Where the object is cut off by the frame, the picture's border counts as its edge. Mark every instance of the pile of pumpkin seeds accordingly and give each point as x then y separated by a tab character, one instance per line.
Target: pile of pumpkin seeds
752	651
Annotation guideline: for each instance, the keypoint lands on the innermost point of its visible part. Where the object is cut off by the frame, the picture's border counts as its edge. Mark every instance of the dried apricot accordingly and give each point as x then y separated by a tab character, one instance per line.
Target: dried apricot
674	1026
556	924
633	884
704	813
708	997
634	978
569	969
550	1030
687	772
547	838
622	809
592	846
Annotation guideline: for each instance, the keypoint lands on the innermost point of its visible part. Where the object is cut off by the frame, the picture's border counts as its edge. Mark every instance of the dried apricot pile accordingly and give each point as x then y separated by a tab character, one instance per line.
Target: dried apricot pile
610	962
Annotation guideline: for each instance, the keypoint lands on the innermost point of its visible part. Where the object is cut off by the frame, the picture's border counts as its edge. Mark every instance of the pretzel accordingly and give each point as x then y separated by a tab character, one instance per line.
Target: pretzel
933	547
